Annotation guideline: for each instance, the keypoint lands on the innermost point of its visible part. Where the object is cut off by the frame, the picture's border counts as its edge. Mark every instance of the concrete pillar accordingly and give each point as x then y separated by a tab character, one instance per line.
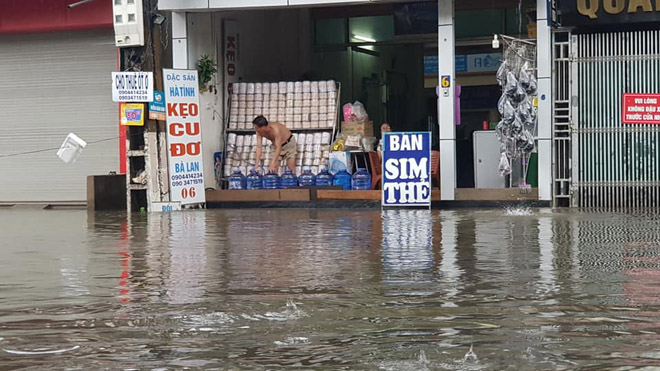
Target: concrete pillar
446	99
544	74
179	40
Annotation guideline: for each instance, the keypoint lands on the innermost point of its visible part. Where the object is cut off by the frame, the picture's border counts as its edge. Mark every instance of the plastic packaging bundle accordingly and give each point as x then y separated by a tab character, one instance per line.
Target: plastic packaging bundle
527	79
509	114
511	85
501	73
515	131
504	167
355	112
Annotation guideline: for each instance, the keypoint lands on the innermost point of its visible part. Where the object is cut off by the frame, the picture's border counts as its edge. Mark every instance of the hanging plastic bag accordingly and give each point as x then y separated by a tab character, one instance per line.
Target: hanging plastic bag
504	167
500	104
524	77
359	112
511	84
499	130
526	142
347	110
516	127
533	86
502	73
509	113
519	95
525	112
527	79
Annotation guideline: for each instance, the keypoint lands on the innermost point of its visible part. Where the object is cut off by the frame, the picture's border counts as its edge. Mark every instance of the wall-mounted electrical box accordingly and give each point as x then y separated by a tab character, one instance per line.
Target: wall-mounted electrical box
128	23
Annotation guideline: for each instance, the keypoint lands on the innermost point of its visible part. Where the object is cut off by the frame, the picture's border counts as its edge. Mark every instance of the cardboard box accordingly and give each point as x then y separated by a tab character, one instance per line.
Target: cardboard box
366	129
531	30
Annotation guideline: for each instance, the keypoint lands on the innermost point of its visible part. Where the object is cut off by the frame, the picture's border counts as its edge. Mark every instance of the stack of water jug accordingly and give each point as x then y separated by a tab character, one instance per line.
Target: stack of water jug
359	181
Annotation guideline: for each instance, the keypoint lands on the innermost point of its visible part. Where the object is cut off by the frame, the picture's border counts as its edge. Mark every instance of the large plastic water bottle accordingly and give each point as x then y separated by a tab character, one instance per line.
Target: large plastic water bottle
271	181
307	179
289	180
324	178
343	179
254	180
237	180
361	180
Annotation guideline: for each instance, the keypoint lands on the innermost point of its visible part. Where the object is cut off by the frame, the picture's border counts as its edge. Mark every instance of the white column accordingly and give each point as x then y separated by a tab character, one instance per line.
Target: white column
544	64
179	40
446	97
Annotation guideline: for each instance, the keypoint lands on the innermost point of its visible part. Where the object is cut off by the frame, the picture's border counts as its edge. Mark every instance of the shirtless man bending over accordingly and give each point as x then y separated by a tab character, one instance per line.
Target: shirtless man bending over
283	143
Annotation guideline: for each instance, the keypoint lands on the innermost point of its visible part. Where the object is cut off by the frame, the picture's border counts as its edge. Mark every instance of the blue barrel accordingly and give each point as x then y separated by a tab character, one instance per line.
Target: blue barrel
307	179
324	178
254	180
271	181
343	179
289	180
361	180
237	180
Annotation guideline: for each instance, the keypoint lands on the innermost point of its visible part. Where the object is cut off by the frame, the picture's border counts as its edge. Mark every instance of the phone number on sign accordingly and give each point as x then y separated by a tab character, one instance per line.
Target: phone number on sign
187	176
181	183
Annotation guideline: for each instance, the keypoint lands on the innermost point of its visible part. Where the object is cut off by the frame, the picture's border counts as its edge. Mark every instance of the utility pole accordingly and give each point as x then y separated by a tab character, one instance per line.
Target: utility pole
147	175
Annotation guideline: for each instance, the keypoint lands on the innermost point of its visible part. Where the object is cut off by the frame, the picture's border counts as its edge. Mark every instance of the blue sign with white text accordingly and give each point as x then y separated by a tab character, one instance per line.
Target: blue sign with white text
406	169
158	105
430	65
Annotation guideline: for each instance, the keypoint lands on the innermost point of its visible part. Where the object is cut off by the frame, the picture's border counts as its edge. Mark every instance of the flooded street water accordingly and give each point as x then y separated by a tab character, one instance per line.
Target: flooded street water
329	289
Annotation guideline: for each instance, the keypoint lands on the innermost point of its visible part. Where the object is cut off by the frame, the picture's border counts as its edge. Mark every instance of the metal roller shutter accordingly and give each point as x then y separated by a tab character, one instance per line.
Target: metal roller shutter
54	84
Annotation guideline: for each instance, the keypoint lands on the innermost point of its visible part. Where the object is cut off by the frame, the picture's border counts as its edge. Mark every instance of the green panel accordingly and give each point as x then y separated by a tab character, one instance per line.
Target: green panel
330	31
476	23
379	28
533	171
516	23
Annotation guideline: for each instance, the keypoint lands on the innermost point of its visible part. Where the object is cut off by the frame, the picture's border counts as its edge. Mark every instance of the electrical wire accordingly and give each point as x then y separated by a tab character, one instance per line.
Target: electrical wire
52	149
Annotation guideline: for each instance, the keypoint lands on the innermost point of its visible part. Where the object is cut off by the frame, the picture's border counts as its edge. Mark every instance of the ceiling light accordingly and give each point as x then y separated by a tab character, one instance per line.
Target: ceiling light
364	38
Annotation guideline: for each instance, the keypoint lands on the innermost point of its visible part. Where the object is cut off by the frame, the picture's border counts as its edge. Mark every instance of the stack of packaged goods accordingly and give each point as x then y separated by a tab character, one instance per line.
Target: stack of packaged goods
307	108
313	151
298	105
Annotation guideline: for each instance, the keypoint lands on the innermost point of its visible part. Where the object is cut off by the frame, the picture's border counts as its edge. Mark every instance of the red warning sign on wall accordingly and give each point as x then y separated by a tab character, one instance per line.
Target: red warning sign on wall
641	109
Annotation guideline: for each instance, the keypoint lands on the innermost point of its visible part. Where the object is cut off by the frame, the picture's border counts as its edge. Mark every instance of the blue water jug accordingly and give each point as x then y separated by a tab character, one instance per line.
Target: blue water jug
361	180
289	180
237	180
307	179
271	181
343	179
324	178
254	180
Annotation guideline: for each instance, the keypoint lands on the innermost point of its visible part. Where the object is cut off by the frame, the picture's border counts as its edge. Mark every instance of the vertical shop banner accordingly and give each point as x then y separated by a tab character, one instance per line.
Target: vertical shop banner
184	137
407	169
232	57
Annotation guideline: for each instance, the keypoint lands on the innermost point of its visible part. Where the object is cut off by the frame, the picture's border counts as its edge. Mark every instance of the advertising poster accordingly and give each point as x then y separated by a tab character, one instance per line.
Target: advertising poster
132	114
132	86
157	107
407	169
184	137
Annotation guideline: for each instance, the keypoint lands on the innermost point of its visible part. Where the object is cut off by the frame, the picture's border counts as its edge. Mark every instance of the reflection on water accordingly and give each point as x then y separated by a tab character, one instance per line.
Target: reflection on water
331	289
407	246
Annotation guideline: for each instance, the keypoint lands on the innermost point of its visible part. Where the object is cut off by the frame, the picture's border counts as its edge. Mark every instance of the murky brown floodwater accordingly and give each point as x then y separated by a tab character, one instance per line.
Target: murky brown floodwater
329	289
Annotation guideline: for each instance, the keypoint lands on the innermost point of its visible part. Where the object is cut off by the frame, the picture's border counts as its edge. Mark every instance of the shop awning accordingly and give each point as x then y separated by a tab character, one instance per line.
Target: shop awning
176	5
